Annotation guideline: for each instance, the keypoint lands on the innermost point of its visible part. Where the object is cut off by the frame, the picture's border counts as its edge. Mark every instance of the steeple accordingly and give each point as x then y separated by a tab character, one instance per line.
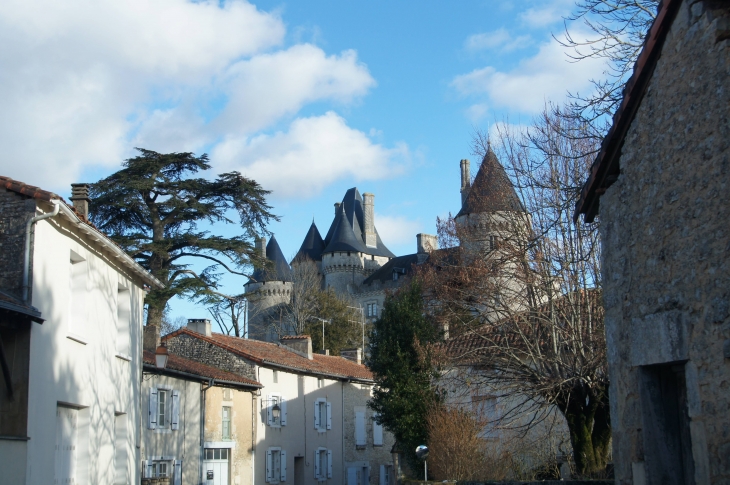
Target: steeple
277	270
491	191
312	246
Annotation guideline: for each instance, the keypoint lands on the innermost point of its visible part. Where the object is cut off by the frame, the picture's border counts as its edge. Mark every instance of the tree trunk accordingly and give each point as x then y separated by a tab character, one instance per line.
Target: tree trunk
590	435
155	312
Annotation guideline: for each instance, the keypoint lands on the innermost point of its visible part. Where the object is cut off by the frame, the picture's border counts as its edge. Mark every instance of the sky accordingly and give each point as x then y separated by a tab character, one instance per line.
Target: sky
307	98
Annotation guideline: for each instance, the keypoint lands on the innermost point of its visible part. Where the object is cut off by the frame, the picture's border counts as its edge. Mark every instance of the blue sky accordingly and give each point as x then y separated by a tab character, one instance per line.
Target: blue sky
308	98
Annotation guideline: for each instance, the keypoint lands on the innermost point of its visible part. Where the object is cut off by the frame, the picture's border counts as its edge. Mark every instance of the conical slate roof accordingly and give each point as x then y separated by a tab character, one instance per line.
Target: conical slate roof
491	191
351	212
312	246
278	270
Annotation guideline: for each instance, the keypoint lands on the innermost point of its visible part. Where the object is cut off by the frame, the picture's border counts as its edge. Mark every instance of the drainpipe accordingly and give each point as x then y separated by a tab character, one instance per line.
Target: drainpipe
202	428
26	256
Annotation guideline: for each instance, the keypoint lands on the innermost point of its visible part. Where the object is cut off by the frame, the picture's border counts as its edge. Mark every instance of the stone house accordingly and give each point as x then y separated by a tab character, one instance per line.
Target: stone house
310	422
74	378
198	423
661	178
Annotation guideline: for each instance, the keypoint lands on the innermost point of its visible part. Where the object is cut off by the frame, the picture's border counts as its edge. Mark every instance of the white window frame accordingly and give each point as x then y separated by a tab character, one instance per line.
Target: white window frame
124	321
322	415
322	464
377	432
271	454
361	434
224	422
271	400
170	410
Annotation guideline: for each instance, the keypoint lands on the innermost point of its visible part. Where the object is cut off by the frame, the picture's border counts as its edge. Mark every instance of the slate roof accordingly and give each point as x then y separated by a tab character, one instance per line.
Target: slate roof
276	355
9	303
385	272
605	169
177	363
492	190
279	270
312	246
346	231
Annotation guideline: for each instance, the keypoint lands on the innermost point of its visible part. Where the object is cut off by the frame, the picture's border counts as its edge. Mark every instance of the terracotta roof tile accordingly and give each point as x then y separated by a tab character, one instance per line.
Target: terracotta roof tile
175	362
265	353
25	189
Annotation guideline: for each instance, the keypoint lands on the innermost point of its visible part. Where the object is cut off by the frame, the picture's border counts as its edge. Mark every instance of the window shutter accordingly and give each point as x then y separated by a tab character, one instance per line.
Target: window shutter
152	422
175	422
377	433
268	409
283	465
383	478
148	469
360	428
329	415
282	405
316	464
316	415
329	463
177	476
269	466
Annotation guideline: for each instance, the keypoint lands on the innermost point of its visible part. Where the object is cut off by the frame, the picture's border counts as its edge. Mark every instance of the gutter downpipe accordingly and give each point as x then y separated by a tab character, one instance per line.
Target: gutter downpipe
202	430
26	256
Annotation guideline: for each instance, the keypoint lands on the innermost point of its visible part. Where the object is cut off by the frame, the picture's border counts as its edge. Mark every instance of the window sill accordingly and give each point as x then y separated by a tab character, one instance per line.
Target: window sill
360	447
123	357
77	338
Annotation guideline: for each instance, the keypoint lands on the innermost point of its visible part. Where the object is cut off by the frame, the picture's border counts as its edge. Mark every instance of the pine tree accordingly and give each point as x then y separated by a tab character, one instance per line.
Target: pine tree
153	208
401	361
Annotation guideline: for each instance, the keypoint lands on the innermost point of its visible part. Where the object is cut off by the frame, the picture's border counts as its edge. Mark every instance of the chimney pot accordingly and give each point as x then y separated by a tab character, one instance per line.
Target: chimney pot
369	214
80	198
260	245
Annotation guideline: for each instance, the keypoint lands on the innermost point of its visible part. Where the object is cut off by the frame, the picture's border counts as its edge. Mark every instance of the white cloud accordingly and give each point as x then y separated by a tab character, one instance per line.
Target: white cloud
498	39
477	111
547	13
546	76
397	230
312	154
82	81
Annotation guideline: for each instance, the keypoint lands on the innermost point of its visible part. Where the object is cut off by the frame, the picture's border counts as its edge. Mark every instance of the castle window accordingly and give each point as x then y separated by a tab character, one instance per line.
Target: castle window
492	242
348	253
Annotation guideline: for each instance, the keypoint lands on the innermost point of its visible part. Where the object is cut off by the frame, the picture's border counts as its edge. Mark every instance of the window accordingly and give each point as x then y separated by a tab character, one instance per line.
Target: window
360	434
372	308
216	453
377	432
77	300
120	449
275	400
385	474
226	423
320	383
164	469
275	465
322	415
492	243
160	469
124	322
227	394
322	464
66	444
164	409
276	377
486	410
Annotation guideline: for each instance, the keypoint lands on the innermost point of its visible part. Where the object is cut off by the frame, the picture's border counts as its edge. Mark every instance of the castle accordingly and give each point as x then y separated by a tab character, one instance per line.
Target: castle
353	260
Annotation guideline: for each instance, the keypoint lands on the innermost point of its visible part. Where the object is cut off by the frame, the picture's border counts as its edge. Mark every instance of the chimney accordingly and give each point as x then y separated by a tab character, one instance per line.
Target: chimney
80	198
354	355
151	337
260	245
200	325
425	243
301	344
337	208
465	180
325	352
369	212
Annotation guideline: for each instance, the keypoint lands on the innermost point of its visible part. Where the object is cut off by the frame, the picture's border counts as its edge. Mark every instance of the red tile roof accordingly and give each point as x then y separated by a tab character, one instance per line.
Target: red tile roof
25	189
175	362
270	354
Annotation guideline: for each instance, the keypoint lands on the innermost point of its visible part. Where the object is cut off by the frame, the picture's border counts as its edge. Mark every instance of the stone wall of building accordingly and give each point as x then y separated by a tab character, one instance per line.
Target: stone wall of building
207	353
666	250
265	300
15	211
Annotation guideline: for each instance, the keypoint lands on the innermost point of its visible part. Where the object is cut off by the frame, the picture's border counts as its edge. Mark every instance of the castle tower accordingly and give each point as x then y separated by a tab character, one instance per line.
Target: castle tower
266	291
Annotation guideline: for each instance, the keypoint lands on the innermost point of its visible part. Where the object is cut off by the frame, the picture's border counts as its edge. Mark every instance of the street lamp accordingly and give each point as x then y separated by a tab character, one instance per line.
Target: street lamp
161	356
276	412
323	322
422	453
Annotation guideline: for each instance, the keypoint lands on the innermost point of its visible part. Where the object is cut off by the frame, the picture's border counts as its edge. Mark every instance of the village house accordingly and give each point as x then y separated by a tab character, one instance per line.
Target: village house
661	179
71	329
311	424
199	423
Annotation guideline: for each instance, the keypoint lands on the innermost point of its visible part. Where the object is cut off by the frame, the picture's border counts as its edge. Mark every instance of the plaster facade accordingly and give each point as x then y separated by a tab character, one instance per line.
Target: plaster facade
666	266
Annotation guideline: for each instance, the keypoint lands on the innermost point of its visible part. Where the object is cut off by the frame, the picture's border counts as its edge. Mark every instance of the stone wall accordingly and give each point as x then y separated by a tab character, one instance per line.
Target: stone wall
201	351
15	211
666	250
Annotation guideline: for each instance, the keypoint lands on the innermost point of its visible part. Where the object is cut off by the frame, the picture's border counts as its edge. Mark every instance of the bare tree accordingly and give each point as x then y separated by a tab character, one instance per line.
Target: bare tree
617	29
303	306
520	292
229	312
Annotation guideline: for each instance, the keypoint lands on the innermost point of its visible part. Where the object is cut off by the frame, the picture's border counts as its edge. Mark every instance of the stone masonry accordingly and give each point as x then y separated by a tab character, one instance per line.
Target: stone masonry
15	211
666	249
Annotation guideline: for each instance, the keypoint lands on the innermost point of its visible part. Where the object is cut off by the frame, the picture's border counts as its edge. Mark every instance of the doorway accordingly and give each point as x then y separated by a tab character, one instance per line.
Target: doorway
215	466
298	470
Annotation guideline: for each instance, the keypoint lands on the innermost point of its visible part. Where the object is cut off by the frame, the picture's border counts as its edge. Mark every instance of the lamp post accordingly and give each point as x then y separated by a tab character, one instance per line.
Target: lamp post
422	453
323	322
276	412
161	356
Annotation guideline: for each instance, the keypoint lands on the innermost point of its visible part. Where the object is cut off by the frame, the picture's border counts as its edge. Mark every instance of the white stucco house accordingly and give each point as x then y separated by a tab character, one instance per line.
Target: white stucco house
79	371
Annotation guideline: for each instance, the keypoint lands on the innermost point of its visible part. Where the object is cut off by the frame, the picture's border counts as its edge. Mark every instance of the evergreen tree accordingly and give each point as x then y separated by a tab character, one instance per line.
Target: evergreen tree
401	361
344	328
152	208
